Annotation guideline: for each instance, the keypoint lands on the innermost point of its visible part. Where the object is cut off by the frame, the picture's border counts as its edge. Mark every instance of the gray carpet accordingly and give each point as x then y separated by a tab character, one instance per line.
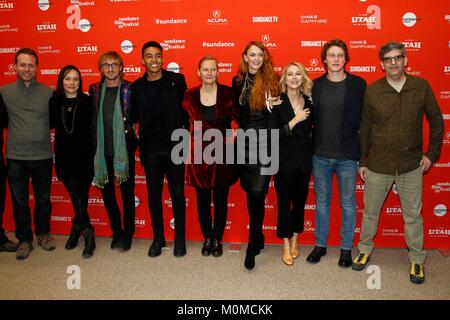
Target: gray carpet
133	275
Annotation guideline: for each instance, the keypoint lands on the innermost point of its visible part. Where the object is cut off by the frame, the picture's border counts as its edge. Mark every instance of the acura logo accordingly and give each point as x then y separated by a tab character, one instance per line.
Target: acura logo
308	223
313	62
265	38
216	14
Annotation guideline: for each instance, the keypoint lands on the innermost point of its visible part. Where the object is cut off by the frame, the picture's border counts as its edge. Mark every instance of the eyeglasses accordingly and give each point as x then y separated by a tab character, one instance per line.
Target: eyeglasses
110	65
392	60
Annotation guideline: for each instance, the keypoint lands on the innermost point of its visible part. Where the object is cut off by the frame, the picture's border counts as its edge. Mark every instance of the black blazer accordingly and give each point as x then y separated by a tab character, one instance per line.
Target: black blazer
355	87
296	146
74	153
174	86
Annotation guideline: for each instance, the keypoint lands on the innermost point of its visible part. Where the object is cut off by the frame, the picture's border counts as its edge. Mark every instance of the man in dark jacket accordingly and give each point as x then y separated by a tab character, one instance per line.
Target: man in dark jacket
157	106
337	97
115	143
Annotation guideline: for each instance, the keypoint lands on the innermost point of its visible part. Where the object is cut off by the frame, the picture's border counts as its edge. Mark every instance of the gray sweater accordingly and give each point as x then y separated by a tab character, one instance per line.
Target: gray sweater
28	120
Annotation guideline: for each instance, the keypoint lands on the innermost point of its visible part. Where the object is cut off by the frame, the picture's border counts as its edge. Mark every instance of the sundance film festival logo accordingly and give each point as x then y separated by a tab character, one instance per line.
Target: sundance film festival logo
312	18
252	147
127	46
46	27
6	6
265	19
361	44
440	210
87	49
312	43
370	19
366	69
89	73
410	19
441	187
127	22
173	44
82	3
265	39
225	67
314	66
217	18
44	5
412	46
391	233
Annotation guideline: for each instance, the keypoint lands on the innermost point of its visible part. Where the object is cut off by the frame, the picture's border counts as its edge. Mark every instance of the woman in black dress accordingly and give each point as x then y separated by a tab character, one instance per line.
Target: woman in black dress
292	118
255	85
70	115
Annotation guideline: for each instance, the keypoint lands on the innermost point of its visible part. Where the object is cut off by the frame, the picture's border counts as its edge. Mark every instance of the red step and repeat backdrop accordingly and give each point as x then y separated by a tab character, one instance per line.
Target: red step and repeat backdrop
76	32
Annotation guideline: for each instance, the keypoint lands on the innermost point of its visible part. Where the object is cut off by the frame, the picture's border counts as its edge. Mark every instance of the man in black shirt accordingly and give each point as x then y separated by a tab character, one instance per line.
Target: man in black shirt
157	98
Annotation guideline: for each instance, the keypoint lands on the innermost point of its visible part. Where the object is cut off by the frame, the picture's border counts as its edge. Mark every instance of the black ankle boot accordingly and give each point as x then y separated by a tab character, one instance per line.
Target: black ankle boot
72	242
217	250
89	242
207	247
249	262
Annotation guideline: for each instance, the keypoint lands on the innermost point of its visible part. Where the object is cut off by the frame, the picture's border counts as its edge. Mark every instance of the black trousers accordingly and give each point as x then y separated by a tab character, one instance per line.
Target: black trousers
127	192
220	195
78	189
292	192
256	208
19	174
156	166
3	238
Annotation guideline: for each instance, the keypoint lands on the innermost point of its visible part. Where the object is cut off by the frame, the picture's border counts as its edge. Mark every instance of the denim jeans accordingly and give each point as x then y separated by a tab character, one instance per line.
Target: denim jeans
345	170
19	173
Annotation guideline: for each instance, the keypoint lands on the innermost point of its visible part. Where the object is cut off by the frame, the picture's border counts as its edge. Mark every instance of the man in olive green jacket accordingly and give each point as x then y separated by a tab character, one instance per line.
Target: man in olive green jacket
391	151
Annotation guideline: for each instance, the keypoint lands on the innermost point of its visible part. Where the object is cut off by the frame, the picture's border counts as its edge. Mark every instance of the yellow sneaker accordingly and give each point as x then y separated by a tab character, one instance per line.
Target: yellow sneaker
417	273
360	261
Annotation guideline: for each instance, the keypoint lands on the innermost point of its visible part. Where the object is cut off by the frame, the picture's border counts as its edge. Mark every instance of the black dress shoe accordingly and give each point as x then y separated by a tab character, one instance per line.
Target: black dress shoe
249	262
217	248
89	242
155	248
72	242
125	244
179	249
345	260
316	254
117	239
207	247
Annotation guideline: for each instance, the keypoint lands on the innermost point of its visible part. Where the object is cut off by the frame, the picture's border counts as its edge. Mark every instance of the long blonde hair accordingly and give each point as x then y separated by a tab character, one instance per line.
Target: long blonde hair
307	83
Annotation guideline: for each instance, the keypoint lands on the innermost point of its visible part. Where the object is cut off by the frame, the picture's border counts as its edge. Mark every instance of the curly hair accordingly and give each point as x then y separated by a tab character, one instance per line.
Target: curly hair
265	79
307	83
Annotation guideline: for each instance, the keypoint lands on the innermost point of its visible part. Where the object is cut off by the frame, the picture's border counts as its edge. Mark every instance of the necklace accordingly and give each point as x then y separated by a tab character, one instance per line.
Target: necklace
65	117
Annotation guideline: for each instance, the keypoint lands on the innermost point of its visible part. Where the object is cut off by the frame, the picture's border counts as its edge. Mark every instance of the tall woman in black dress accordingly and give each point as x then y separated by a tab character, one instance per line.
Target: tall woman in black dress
70	115
292	117
254	85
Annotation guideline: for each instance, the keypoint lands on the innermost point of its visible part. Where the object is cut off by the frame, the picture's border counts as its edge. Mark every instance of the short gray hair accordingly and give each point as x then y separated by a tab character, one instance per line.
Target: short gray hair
393	45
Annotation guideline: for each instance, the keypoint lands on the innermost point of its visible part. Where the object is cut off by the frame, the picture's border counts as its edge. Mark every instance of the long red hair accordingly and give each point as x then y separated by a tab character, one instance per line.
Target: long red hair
265	79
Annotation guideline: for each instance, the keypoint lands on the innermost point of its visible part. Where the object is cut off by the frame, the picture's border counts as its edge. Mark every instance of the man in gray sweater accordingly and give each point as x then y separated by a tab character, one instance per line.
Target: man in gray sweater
29	152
